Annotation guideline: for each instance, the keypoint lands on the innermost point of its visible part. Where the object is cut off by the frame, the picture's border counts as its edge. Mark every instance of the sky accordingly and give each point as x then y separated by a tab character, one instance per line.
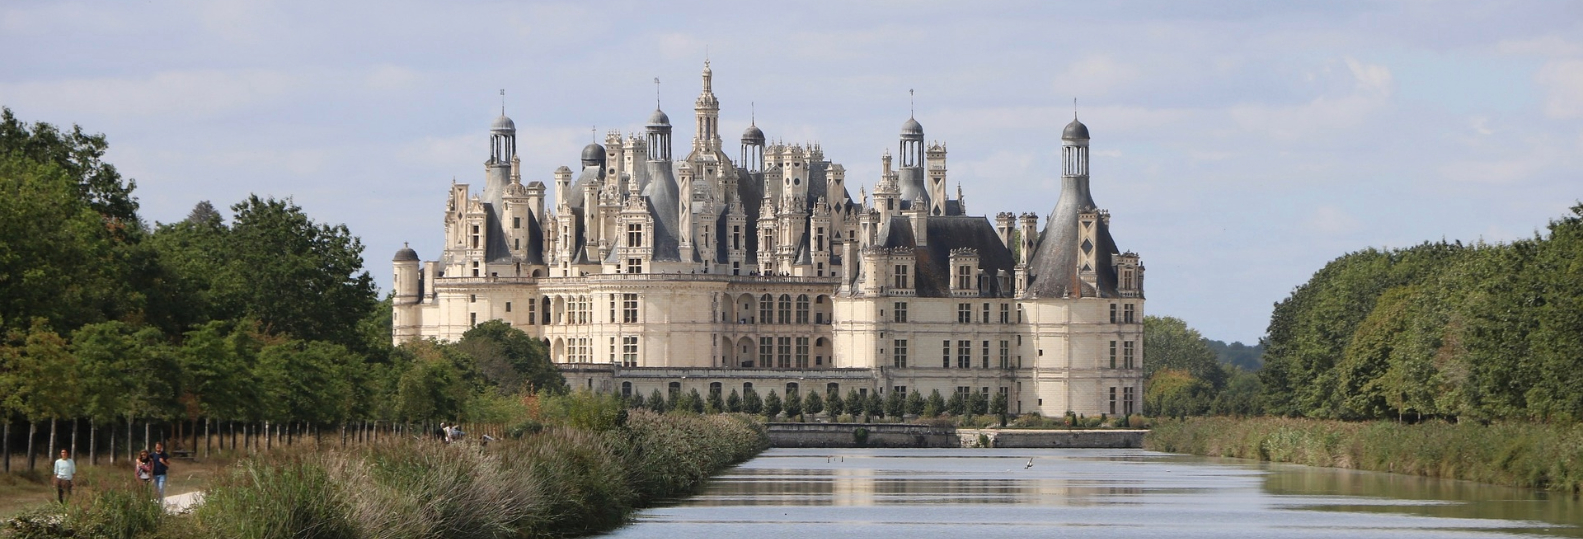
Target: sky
1239	146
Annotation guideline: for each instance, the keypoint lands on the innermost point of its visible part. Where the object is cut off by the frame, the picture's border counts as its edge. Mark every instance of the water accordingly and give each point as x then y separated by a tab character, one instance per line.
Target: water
1109	493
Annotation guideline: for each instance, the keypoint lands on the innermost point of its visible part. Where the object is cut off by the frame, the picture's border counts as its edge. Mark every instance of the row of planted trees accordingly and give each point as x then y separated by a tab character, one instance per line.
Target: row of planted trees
796	404
259	324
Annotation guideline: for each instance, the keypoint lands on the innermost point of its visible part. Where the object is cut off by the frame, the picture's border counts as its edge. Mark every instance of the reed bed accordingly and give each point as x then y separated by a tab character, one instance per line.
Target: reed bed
1535	455
560	481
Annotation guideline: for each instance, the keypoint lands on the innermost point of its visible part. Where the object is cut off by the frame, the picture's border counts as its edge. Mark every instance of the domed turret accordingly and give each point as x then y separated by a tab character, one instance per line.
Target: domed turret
1075	131
753	136
658	119
503	125
405	254
912	129
593	155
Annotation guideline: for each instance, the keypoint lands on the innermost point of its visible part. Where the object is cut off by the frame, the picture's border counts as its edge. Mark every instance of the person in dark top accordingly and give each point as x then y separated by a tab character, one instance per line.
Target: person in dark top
161	467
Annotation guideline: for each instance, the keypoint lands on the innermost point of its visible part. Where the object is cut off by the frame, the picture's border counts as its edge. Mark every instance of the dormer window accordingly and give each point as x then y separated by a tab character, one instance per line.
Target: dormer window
964	277
901	276
634	236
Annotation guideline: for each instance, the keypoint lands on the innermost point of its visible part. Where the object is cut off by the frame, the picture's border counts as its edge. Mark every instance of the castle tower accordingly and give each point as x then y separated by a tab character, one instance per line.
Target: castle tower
935	156
753	148
684	208
659	135
707	111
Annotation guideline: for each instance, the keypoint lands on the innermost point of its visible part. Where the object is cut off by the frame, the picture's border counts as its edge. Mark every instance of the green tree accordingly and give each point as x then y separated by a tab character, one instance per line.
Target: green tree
80	156
431	386
657	402
793	404
1174	393
998	406
873	405
714	404
895	404
835	404
915	404
935	405
813	403
1169	344
695	402
855	403
751	403
772	404
733	402
978	403
510	360
956	405
44	380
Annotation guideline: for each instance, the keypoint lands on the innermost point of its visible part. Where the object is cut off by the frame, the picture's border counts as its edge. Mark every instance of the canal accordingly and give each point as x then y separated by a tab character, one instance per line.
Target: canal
1109	493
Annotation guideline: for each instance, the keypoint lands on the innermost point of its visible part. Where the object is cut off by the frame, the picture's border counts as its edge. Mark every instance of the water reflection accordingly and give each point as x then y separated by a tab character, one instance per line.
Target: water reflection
1088	493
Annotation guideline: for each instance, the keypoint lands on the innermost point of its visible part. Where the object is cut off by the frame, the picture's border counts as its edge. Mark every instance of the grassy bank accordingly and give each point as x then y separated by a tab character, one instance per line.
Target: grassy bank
1516	454
574	478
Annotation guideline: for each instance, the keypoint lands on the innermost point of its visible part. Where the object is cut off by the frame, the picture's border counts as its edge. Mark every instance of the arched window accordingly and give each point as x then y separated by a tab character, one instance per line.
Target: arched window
785	309
802	309
767	309
626	389
675	390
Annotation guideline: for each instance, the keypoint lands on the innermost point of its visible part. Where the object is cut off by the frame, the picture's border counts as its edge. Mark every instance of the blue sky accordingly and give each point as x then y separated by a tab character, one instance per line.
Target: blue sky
1238	145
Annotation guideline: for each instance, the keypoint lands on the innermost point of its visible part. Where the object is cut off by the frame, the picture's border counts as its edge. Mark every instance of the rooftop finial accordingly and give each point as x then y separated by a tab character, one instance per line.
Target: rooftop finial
753	119
656	93
1074	109
502	101
911	106
593	134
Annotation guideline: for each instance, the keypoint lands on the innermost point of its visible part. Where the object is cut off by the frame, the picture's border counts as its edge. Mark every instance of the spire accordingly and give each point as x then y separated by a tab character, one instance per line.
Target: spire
1074	109
912	106
502	101
656	93
753	113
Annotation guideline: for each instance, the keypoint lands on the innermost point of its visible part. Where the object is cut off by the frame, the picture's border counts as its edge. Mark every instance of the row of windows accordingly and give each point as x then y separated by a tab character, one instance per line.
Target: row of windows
1000	356
964	313
785	352
674	389
1129	315
1129	355
1128	397
782	311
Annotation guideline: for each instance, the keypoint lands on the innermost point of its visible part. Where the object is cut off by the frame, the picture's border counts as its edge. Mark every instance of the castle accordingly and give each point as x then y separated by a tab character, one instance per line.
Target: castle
652	273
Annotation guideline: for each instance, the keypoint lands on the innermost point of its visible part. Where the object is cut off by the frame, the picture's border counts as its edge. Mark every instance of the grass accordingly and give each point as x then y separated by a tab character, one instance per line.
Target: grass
559	481
1535	455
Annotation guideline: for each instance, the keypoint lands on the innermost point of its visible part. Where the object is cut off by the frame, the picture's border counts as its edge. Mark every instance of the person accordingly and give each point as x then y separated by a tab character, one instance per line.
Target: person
161	465
143	467
65	469
445	432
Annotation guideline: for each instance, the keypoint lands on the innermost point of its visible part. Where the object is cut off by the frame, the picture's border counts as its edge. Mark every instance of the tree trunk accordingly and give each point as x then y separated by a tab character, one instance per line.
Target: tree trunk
147	435
208	443
32	432
51	451
5	445
93	449
268	437
129	453
112	444
74	438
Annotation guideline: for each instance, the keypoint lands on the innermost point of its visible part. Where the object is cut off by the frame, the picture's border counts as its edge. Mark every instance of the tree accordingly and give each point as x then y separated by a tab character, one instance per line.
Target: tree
1174	393
511	360
915	404
636	402
43	375
1169	344
772	404
733	402
935	405
714	404
750	401
873	405
855	403
998	406
835	404
79	155
293	275
695	402
956	405
657	402
793	404
431	387
895	404
978	403
813	403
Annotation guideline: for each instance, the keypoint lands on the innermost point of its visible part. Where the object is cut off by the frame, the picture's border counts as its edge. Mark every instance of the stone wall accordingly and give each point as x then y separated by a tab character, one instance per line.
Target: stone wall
899	435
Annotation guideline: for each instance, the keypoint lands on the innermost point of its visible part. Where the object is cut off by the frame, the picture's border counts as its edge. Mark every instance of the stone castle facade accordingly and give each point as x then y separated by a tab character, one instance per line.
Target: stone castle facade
711	273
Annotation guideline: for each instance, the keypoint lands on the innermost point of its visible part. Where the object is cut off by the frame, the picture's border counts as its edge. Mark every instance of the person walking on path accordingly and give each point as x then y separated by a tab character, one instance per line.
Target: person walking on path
143	467
65	470
161	463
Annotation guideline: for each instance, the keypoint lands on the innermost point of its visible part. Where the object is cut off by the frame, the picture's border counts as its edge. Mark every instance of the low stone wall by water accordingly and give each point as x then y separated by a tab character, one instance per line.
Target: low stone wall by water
902	435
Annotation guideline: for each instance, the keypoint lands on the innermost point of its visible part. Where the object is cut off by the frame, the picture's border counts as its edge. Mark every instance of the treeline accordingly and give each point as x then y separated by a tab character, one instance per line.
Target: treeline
797	406
1439	330
268	319
1186	374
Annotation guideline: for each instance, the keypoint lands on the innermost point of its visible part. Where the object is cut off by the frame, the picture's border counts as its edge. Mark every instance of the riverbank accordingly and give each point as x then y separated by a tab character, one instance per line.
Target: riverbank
560	481
1515	454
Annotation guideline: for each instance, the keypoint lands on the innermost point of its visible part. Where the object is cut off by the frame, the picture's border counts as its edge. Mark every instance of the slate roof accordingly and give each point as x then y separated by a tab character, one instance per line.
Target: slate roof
1053	273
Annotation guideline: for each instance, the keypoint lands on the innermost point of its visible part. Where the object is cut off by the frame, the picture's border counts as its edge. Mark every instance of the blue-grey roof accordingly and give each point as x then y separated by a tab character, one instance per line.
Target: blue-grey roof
503	125
405	254
593	155
933	261
1075	131
659	118
1053	273
912	129
753	135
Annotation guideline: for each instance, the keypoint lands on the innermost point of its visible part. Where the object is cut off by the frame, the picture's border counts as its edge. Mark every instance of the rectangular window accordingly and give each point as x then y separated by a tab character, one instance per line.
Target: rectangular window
964	277
766	352
532	311
945	353
472	319
900	348
1112	313
516	243
986	354
1005	313
516	222
783	352
629	308
802	352
634	235
986	314
736	236
901	276
1127	400
508	306
899	314
612	308
634	265
1130	311
964	313
1112	354
629	351
964	354
1127	356
1112	401
1005	354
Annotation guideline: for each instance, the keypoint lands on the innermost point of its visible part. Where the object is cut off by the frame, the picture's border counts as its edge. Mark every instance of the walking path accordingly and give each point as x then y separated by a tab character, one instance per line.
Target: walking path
182	503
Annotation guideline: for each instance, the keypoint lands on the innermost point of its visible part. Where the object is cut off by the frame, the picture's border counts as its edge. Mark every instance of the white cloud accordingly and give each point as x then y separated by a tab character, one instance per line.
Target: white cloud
1542	46
1095	75
1562	81
1372	78
1331	220
1495	171
181	93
